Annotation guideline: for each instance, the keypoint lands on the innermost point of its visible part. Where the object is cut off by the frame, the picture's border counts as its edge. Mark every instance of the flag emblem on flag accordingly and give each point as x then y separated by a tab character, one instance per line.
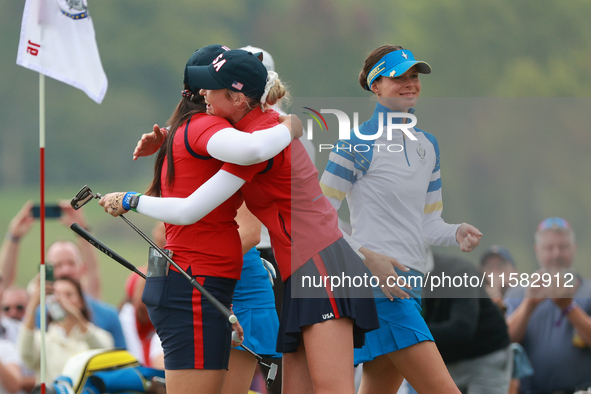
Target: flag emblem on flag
237	85
75	9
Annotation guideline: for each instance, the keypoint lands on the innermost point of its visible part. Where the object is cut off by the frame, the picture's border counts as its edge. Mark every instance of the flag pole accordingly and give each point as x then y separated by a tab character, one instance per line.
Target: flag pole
42	313
57	41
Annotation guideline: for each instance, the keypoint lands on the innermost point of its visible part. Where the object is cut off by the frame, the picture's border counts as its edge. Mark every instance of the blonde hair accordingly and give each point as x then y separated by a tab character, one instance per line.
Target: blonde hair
278	94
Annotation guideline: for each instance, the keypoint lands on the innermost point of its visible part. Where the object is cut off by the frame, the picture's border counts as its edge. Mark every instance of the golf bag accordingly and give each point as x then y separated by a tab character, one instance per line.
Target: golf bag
103	371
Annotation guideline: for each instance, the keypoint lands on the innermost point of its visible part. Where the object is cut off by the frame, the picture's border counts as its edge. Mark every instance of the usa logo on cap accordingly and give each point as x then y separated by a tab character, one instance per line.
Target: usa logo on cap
237	85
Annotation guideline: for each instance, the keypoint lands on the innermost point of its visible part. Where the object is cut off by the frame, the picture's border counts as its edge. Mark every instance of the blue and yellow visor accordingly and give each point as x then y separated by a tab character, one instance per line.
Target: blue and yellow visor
394	64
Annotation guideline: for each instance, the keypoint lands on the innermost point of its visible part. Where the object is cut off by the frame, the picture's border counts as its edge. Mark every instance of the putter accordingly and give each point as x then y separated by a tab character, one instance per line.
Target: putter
112	254
105	249
272	374
85	195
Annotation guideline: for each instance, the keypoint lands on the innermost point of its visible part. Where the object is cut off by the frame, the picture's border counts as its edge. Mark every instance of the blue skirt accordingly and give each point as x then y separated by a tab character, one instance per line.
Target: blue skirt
401	323
254	306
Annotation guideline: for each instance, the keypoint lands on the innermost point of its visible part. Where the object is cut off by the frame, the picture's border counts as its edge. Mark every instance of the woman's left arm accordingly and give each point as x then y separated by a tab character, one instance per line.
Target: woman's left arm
180	211
435	231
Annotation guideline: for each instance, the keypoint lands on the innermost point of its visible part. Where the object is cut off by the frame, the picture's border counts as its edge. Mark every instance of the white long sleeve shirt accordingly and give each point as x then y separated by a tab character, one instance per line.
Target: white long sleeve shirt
393	189
59	346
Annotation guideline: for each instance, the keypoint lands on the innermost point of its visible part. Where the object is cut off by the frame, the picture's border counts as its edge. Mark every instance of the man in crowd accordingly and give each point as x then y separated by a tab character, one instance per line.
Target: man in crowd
14	377
68	260
14	302
10	364
8	327
553	321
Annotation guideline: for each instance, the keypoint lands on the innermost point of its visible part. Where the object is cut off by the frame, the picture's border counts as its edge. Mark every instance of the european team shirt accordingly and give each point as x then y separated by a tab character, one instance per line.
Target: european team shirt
212	245
393	189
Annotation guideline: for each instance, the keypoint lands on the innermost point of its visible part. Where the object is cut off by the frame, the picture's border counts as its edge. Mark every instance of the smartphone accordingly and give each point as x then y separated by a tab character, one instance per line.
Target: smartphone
52	211
49	277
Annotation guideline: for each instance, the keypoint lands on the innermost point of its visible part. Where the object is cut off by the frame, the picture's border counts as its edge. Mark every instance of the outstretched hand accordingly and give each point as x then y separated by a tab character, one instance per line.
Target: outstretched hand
468	237
294	124
382	267
150	143
112	203
22	222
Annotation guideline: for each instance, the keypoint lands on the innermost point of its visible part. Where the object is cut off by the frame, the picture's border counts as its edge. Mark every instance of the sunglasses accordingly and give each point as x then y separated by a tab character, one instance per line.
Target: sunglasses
17	307
553	223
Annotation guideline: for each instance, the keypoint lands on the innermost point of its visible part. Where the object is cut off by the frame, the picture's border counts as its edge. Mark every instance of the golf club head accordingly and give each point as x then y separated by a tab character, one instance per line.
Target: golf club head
271	375
83	196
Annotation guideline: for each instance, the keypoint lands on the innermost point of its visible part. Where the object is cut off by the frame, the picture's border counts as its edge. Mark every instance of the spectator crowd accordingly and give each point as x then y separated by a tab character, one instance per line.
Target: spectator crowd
498	339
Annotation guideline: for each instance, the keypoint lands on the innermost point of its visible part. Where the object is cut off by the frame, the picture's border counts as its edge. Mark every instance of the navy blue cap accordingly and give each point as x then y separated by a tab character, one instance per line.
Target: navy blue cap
500	251
202	57
237	70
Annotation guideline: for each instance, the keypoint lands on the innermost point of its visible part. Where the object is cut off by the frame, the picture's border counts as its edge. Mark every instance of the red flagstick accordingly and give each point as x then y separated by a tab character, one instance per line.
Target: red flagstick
42	218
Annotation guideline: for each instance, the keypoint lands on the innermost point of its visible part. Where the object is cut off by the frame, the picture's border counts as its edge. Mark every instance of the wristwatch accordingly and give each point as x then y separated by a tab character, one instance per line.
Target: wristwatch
133	201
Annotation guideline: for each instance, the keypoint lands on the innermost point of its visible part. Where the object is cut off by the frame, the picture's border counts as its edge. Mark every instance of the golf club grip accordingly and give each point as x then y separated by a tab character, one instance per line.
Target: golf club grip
104	248
214	301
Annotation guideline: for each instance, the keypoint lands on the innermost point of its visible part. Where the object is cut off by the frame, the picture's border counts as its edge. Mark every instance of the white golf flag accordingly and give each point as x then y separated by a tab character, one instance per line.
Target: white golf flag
57	40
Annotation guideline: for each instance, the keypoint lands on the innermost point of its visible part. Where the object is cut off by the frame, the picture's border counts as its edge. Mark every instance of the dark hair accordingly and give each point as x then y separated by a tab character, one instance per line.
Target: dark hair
85	311
186	108
371	61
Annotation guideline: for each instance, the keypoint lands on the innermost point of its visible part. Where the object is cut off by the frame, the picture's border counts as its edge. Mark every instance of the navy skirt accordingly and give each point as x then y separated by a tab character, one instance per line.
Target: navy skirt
307	301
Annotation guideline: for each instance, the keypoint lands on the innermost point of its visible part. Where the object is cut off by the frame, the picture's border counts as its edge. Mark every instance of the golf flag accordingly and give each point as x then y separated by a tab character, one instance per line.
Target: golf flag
57	40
